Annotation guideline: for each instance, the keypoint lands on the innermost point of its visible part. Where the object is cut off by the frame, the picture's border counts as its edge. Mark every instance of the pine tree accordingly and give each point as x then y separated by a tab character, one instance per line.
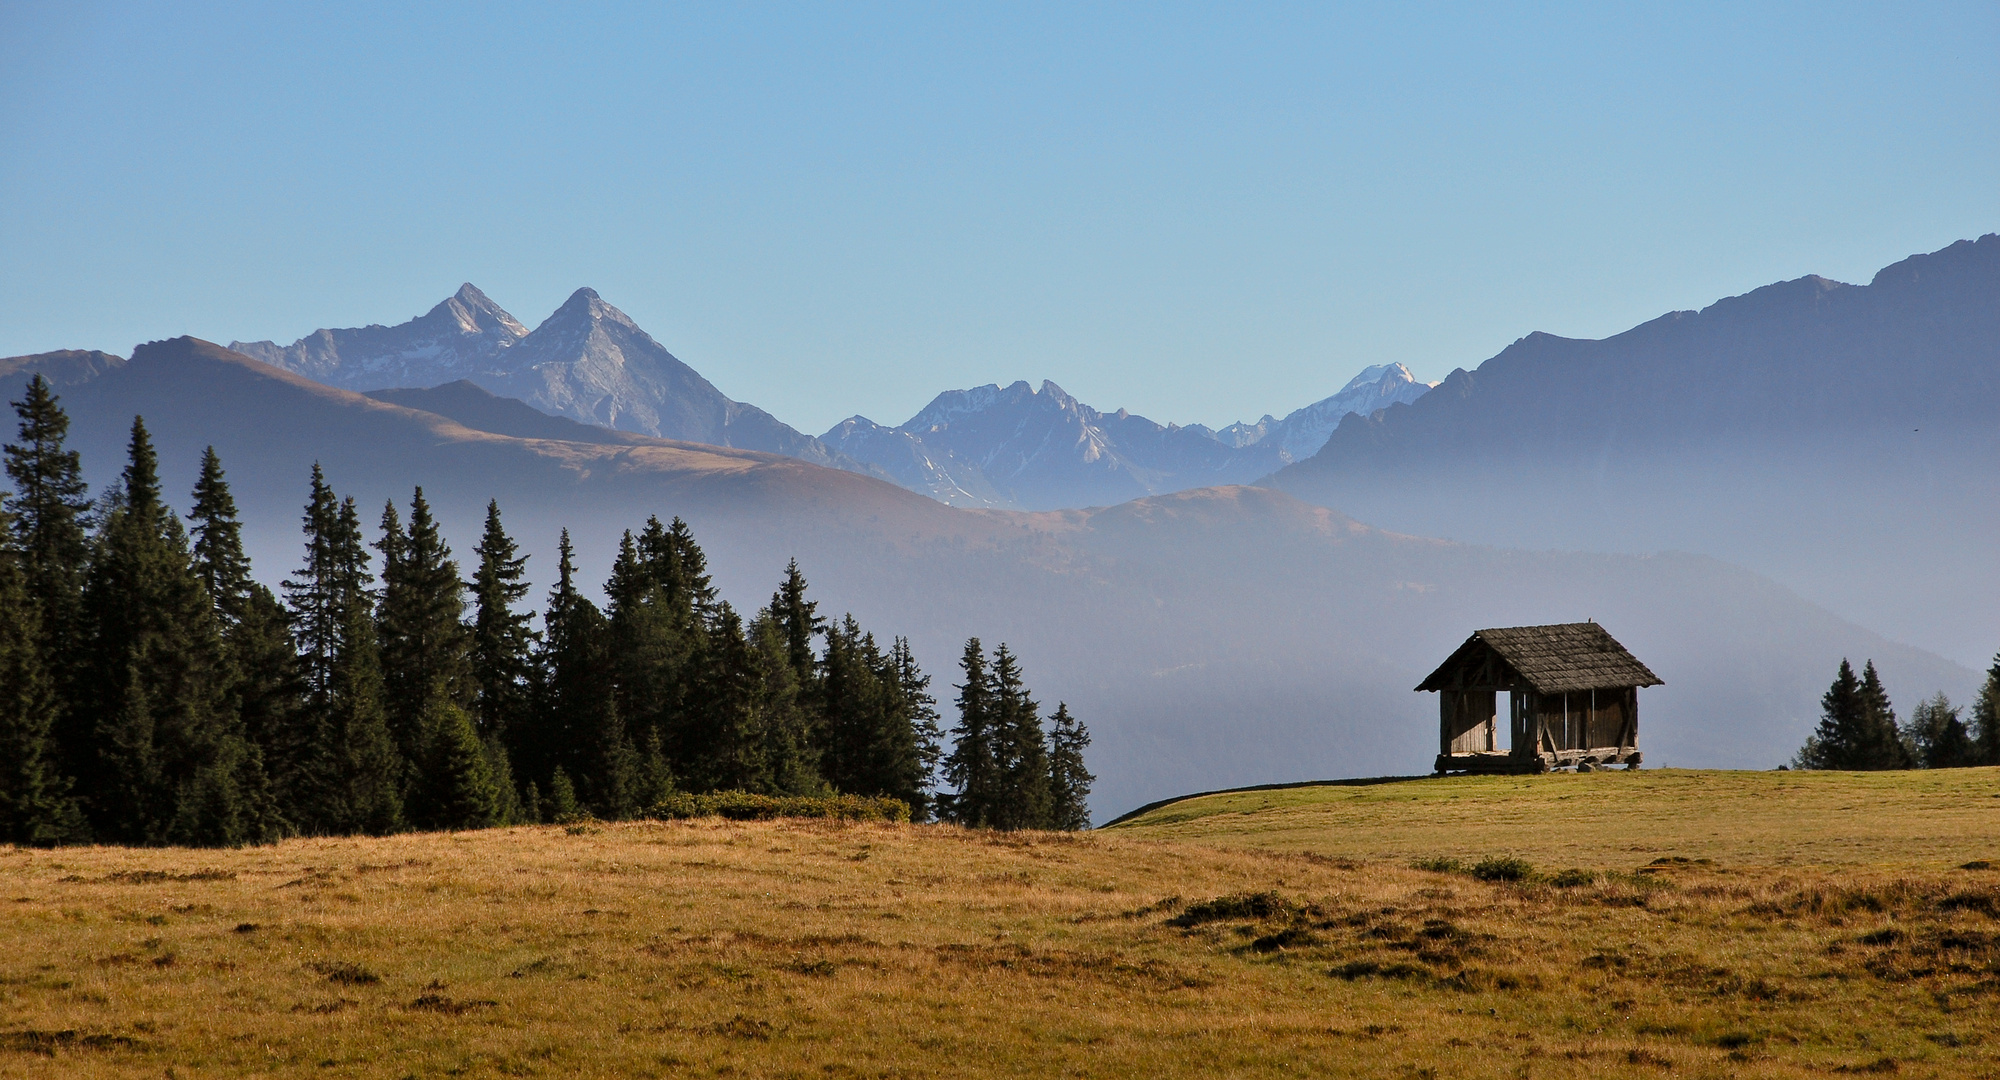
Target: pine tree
263	689
426	655
1881	744
1836	742
51	509
502	642
171	763
871	742
913	689
1020	749
1069	780
650	648
576	726
971	767
1986	719
781	726
798	620
501	653
1936	736
456	786
348	775
36	808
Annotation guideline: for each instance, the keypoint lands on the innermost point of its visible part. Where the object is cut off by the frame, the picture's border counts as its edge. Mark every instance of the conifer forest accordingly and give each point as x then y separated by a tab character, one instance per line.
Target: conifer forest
153	692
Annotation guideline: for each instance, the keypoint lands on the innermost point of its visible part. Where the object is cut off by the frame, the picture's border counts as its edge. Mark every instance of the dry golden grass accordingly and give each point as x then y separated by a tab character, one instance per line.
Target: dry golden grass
825	950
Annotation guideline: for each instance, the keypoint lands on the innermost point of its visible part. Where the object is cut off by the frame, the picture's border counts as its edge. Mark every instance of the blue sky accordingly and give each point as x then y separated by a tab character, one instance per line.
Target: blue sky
1200	213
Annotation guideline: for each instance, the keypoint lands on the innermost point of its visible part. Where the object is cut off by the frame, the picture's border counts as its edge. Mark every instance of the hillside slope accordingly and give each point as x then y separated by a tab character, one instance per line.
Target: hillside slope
1840	438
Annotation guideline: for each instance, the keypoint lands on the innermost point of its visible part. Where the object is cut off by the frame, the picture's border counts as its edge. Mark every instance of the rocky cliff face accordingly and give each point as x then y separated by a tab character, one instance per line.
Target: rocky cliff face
588	361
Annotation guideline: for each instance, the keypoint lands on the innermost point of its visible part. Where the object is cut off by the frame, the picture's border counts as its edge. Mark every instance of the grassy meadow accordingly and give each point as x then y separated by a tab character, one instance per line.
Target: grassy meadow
1656	924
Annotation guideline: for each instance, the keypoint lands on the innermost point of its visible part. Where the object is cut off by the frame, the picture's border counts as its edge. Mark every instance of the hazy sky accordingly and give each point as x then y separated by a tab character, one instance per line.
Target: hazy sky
1198	213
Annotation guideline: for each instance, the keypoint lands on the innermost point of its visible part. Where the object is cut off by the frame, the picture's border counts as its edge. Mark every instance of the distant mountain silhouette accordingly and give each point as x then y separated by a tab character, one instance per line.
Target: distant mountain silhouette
1844	439
588	361
1303	432
1212	637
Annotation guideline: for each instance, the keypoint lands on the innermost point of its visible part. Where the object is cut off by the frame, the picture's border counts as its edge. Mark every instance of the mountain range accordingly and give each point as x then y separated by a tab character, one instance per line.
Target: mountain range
587	361
1780	469
1011	448
1220	636
1017	447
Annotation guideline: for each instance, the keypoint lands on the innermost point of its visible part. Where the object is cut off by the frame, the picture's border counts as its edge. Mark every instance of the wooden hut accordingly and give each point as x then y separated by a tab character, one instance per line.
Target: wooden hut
1573	695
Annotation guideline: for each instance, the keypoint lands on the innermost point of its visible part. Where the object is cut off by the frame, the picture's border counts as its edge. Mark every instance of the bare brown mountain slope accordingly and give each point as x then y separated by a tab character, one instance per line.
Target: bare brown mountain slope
1210	638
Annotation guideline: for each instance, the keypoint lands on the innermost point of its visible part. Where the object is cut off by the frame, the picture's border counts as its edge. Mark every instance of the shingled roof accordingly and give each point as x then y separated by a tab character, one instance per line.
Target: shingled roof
1552	659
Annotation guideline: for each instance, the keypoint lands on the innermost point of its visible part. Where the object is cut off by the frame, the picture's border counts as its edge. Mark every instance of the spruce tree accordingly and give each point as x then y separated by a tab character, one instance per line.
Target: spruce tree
1069	780
264	688
51	515
1936	736
456	786
1020	749
971	768
798	620
502	642
348	775
913	690
171	761
1881	744
36	808
781	725
721	745
871	743
1986	719
576	726
651	647
1837	742
426	659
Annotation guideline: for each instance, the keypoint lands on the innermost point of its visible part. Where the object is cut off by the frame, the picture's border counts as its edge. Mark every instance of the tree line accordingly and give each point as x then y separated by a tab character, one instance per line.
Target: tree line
153	692
1858	727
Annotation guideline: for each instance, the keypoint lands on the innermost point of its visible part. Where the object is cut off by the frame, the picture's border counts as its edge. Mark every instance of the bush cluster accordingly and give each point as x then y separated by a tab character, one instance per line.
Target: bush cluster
750	806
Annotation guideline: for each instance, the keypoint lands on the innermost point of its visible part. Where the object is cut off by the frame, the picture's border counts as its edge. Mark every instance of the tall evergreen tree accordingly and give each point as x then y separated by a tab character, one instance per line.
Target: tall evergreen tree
1069	780
577	728
51	508
502	642
347	775
171	762
797	619
264	690
871	740
972	768
1857	728
1835	743
501	652
1986	719
427	672
1020	749
1881	745
781	723
913	687
36	807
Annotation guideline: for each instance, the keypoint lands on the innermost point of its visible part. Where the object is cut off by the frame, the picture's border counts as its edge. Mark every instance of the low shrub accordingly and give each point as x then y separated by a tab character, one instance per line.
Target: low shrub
1573	879
1263	905
745	806
1439	864
1502	868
